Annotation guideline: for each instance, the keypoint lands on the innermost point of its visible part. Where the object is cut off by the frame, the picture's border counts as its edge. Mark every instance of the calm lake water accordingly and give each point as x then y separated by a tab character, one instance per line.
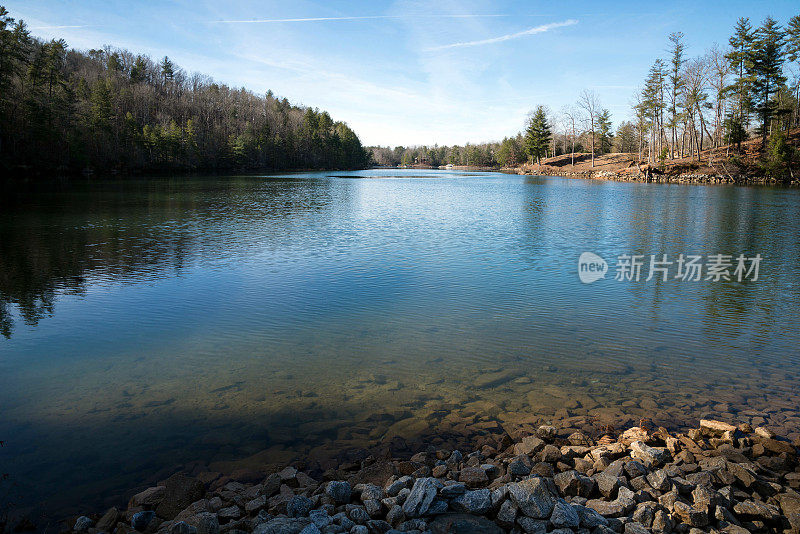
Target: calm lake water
151	323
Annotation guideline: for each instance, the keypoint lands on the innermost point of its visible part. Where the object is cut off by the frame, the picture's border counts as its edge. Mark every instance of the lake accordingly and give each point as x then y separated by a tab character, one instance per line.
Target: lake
158	324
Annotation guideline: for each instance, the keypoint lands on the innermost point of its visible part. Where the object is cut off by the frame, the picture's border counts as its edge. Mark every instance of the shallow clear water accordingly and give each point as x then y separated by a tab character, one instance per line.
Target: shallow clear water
151	323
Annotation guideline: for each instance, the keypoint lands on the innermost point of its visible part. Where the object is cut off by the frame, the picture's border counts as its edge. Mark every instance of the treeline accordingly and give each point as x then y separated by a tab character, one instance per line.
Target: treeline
105	110
479	155
689	105
516	150
725	96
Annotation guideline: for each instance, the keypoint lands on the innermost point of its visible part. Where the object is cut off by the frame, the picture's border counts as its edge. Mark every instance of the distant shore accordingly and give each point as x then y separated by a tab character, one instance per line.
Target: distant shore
652	175
619	167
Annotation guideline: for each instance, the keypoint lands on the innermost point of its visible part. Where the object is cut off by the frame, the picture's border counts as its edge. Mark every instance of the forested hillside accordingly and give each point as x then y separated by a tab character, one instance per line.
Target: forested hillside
112	110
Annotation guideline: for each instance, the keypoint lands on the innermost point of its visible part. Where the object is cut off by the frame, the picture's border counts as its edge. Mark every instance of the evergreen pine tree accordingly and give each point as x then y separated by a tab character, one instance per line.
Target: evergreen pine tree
740	60
537	135
767	57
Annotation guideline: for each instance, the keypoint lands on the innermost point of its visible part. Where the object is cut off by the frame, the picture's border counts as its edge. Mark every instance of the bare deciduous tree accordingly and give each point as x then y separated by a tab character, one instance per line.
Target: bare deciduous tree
590	104
571	116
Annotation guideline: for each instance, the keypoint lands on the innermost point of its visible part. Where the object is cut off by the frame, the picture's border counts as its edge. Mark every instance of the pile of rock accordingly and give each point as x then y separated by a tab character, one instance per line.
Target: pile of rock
717	478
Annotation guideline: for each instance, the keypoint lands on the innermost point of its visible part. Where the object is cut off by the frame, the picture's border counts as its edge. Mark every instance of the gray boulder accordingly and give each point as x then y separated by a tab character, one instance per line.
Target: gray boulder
532	496
564	515
422	494
473	502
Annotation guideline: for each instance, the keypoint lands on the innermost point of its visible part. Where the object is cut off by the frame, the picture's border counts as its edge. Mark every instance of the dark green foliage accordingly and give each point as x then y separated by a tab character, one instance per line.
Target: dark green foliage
481	155
735	132
108	110
676	83
537	135
625	139
511	152
767	57
604	135
740	59
778	157
652	105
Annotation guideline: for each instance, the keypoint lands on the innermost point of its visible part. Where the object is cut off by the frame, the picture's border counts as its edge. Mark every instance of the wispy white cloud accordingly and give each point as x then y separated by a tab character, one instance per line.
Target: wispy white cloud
366	17
55	27
531	31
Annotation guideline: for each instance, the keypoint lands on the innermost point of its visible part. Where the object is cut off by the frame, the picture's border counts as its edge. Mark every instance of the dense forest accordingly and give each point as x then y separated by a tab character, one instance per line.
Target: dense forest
111	110
727	95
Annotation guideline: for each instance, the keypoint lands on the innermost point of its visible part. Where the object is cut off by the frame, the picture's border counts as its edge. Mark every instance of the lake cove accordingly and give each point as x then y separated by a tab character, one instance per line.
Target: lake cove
230	323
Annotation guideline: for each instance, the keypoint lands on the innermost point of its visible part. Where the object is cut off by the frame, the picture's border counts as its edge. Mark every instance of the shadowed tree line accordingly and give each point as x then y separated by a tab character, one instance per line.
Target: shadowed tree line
112	110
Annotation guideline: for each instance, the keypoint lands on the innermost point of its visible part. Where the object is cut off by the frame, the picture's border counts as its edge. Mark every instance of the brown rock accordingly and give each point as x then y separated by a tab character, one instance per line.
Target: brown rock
408	467
690	515
764	432
439	471
149	498
789	502
606	508
180	492
272	484
579	439
715	427
755	511
473	477
743	473
109	519
635	433
550	453
777	447
376	473
529	445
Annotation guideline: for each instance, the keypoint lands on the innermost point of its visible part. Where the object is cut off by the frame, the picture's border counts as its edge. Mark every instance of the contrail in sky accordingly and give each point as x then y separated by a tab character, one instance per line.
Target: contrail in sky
531	31
368	17
54	27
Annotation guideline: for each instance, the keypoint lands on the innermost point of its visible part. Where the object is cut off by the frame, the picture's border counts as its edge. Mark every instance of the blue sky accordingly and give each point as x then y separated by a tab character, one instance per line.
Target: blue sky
408	71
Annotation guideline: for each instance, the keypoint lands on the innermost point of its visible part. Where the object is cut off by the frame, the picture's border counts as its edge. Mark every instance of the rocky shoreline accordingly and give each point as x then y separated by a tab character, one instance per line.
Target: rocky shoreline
715	478
646	175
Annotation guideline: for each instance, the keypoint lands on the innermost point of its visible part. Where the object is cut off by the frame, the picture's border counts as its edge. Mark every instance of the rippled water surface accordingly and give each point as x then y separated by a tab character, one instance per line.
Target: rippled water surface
151	323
